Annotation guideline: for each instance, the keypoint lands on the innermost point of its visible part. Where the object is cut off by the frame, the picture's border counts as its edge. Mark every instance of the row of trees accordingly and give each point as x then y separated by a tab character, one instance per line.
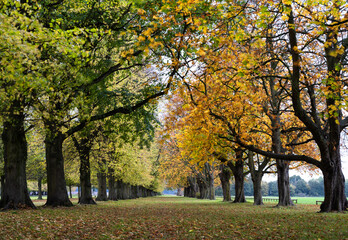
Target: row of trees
266	78
252	81
77	75
298	187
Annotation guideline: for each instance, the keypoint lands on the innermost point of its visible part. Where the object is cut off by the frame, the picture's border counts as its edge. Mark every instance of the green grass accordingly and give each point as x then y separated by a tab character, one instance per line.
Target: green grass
173	218
300	200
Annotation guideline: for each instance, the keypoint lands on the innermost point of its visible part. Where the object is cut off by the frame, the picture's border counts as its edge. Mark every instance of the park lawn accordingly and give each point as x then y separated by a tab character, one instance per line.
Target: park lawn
300	200
173	218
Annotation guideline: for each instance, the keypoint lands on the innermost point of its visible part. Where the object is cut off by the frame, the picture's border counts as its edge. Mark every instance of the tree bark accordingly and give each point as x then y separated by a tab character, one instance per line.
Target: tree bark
282	166
225	177
257	190
256	176
283	183
101	187
39	186
112	186
56	186
205	181
334	185
210	177
328	141
15	192
238	173
85	173
192	188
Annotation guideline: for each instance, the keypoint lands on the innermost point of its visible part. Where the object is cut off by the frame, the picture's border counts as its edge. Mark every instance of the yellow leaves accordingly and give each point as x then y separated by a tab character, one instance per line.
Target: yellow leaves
141	11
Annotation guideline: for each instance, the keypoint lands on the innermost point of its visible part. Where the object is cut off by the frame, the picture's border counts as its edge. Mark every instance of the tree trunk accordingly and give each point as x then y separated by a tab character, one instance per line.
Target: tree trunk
334	184
84	148
179	192
39	186
15	191
101	187
210	178
79	191
257	190
2	185
192	189
85	175
283	183
282	166
203	188
70	191
112	187
56	186
238	173
225	176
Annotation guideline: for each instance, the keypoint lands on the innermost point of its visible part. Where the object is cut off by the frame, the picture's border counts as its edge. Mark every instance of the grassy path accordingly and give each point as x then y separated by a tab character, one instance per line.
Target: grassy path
173	218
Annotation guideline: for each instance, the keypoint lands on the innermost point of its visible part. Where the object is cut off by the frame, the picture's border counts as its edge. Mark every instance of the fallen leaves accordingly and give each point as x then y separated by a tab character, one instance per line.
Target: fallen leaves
172	218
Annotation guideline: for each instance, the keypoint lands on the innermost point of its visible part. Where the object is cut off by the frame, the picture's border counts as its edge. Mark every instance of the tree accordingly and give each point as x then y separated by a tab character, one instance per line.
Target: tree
18	68
225	177
316	69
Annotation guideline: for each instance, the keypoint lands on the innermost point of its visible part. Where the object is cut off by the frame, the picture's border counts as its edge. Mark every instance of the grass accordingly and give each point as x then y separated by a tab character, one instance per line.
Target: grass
300	200
173	218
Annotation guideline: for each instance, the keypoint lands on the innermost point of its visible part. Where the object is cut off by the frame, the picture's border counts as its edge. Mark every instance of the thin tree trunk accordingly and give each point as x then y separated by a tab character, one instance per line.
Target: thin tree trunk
39	185
70	191
15	192
79	191
282	166
57	194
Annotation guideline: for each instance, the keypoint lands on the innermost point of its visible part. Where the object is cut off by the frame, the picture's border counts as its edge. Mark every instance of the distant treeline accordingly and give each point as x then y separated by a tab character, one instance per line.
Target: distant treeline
298	187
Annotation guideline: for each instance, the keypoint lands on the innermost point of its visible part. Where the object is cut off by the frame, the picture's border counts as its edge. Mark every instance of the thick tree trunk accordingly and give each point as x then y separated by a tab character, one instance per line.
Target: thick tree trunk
203	188
56	186
2	185
112	187
205	183
179	192
15	191
85	175
120	189
225	177
283	183
84	148
238	173
334	184
101	187
192	189
39	186
210	178
257	190
134	192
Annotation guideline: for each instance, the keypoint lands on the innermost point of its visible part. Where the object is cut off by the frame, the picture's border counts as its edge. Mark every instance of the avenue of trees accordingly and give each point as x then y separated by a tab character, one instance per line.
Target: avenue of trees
264	86
253	87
